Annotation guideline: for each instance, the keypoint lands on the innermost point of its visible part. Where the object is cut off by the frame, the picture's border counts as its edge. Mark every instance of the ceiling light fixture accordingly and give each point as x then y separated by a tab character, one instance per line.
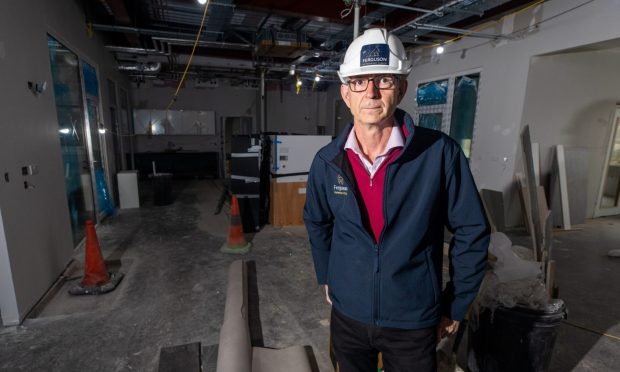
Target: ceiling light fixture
317	78
292	70
439	49
202	2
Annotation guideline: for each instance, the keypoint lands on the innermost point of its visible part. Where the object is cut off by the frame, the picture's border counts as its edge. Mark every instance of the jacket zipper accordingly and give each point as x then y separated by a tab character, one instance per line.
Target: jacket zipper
377	305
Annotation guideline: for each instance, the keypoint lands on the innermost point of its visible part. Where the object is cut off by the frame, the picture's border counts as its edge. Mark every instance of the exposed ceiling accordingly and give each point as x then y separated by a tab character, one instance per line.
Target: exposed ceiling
242	38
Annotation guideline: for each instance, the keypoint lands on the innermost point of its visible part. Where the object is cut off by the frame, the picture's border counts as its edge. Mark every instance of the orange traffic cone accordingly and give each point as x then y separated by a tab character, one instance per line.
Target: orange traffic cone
96	278
236	242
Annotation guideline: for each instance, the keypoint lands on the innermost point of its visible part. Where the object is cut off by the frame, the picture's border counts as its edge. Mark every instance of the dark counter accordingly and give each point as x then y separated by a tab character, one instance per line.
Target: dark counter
180	164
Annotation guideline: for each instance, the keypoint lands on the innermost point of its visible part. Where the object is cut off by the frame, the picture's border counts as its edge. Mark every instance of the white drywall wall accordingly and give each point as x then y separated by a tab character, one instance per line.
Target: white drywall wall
504	68
36	220
570	101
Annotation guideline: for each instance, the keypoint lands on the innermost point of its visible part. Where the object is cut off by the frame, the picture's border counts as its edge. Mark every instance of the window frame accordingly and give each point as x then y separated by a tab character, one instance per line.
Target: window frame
446	108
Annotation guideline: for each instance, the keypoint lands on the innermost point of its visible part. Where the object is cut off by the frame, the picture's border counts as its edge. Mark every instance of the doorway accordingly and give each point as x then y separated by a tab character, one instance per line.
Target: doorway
608	203
82	137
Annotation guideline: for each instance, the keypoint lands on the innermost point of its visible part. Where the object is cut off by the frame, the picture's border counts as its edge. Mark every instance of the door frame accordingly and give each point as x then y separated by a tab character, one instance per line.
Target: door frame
89	135
598	211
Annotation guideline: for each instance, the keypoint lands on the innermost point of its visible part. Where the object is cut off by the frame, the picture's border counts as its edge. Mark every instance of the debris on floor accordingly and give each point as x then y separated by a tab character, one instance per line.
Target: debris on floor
614	253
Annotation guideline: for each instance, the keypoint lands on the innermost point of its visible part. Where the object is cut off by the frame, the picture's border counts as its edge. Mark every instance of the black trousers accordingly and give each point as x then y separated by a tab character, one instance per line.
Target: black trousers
357	345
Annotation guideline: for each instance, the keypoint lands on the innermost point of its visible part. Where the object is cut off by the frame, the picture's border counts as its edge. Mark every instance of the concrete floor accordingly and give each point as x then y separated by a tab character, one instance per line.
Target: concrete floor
174	293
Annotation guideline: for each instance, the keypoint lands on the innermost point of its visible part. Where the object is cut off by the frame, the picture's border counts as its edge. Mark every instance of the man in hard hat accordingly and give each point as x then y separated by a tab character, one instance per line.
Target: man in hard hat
378	198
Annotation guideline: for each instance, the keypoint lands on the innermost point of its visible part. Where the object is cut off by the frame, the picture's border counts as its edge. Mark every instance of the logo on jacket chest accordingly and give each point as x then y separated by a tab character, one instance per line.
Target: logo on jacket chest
340	188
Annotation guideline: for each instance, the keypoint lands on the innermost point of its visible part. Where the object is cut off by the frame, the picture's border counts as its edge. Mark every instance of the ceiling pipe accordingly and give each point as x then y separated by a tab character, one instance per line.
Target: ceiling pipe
441	10
151	67
313	53
203	43
356	19
457	31
382	3
146	31
141	51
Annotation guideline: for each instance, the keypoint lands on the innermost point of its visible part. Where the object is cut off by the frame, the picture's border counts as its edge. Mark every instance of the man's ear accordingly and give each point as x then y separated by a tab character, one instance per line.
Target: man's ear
344	92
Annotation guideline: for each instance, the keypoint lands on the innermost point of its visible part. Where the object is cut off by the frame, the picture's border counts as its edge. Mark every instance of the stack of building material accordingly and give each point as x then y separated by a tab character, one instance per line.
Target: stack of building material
291	157
245	179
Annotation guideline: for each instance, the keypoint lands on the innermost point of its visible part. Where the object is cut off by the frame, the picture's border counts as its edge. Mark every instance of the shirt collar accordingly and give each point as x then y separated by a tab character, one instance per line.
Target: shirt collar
396	140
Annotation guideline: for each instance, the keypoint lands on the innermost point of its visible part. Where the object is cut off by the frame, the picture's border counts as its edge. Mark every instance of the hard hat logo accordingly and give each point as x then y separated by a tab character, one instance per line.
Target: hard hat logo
375	54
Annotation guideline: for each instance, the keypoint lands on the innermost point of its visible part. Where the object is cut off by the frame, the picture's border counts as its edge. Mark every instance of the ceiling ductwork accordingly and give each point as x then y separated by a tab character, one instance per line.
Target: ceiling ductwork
150	67
156	37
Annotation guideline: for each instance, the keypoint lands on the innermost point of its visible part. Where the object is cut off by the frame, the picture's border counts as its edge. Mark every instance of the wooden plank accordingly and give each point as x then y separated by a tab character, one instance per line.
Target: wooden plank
180	358
536	163
531	185
287	203
563	187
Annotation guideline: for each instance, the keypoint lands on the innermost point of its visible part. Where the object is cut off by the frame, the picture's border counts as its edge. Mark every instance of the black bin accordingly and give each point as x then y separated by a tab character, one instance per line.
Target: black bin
514	339
162	188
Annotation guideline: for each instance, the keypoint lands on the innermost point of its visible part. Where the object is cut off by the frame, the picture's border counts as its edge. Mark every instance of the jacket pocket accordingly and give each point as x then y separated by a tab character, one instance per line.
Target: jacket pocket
433	275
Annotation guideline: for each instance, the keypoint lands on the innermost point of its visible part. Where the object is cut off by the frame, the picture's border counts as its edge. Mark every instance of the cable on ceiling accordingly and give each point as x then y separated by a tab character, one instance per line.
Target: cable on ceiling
191	56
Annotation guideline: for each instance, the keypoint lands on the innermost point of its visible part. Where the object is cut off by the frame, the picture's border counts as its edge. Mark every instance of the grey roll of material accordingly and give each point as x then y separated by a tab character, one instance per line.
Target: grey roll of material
235	348
292	358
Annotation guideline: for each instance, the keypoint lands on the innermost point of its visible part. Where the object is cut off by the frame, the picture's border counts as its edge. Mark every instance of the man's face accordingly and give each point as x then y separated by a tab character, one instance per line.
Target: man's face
373	106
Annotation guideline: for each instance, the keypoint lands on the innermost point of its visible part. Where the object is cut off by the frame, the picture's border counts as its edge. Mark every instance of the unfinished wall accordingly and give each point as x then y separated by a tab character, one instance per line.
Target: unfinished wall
36	220
570	100
504	65
285	111
301	113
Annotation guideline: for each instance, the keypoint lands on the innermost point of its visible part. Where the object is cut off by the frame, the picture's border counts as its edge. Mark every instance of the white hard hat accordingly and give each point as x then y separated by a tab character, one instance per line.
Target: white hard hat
375	52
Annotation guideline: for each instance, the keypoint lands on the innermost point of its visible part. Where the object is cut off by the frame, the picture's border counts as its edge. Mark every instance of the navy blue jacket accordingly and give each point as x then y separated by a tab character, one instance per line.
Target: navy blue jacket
397	281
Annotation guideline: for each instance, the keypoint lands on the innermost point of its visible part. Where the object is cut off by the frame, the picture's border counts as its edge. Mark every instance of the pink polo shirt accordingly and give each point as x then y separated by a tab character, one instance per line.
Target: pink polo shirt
370	177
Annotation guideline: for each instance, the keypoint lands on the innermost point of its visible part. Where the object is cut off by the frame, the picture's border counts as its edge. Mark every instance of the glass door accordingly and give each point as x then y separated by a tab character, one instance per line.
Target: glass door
73	140
95	133
609	192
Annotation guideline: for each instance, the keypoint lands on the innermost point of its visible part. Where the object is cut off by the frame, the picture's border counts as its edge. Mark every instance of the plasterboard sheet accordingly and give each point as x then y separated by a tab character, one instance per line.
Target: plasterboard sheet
577	168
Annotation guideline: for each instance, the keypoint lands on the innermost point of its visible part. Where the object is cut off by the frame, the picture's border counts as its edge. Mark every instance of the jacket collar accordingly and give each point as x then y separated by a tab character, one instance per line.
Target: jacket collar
336	147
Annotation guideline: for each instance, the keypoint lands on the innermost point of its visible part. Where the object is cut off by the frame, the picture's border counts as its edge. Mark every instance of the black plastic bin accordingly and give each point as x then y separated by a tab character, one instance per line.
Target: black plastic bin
162	188
514	340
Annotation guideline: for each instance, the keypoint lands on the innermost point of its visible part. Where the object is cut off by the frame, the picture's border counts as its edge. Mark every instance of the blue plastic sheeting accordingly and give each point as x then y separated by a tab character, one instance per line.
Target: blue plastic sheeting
432	121
464	111
103	196
433	93
90	80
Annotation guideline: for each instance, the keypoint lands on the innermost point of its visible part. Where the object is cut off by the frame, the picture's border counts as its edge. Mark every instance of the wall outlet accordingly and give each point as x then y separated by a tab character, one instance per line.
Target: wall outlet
30	170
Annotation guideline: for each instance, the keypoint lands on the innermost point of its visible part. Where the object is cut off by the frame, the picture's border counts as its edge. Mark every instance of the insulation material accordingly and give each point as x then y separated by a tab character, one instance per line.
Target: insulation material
513	280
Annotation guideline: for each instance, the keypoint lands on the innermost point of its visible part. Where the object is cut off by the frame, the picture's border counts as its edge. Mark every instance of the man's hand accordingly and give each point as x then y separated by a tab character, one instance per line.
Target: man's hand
327	295
446	327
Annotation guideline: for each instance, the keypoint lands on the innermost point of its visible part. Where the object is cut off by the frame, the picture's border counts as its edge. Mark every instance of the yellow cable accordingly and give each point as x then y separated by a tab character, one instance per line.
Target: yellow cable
191	56
592	330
